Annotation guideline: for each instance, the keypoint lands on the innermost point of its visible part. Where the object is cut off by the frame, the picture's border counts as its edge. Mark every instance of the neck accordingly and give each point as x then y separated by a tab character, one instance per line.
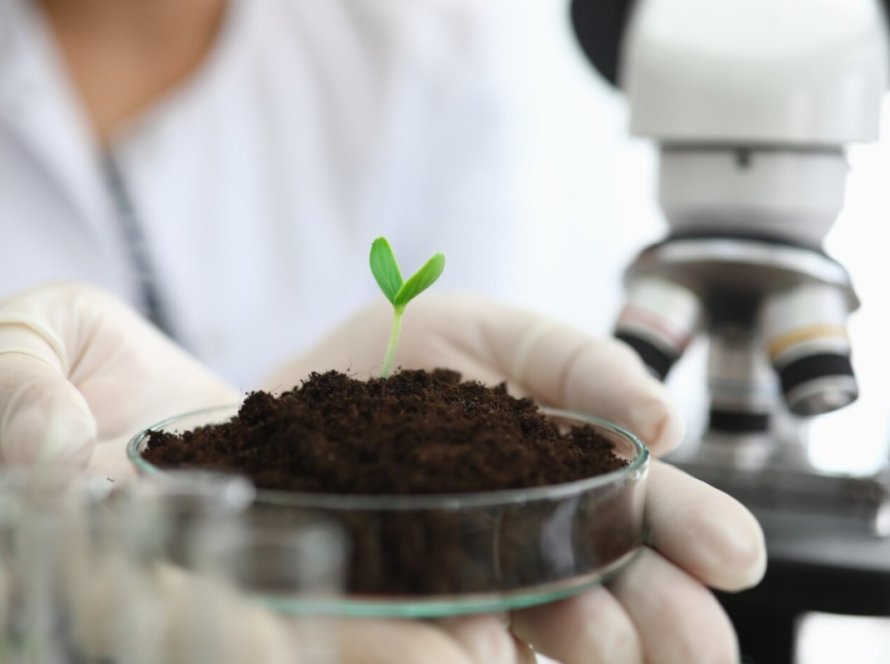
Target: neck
123	55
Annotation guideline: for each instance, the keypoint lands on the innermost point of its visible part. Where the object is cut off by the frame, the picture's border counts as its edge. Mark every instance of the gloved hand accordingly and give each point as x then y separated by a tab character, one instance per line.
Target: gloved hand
80	372
492	342
659	608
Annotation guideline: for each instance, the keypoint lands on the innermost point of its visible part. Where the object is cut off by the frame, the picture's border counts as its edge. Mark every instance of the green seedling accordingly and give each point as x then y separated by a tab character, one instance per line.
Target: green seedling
398	291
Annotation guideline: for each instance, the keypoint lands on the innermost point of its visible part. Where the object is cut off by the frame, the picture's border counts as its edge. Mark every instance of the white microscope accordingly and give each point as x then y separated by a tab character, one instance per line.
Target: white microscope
752	104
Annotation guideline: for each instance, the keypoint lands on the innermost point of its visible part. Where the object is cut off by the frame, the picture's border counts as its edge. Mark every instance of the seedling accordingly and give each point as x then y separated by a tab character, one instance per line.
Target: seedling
398	291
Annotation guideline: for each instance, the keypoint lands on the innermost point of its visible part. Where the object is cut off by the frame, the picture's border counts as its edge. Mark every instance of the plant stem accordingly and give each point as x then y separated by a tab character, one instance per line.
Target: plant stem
394	332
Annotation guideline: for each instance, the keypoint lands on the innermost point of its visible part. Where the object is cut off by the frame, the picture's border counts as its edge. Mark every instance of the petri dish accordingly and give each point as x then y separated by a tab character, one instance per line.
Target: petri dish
436	555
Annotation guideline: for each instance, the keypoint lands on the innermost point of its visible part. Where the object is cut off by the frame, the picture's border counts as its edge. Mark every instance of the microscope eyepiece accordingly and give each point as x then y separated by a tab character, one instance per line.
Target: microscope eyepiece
807	343
818	383
658	321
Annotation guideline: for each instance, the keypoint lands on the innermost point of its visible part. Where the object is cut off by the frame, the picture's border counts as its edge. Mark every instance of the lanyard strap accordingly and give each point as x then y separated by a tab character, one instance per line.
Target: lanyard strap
134	238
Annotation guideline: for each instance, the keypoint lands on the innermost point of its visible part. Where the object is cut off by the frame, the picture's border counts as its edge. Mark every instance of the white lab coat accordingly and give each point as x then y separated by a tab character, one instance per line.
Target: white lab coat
312	127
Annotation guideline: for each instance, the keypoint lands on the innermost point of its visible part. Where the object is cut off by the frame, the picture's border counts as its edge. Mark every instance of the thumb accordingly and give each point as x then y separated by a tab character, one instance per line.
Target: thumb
610	373
43	417
602	376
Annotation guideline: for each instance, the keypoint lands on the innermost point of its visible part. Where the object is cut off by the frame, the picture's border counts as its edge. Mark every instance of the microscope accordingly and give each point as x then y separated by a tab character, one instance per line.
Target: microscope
752	104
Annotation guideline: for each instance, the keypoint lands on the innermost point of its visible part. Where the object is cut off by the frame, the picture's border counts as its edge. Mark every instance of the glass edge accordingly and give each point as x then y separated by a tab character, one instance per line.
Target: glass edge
133	448
635	469
442	607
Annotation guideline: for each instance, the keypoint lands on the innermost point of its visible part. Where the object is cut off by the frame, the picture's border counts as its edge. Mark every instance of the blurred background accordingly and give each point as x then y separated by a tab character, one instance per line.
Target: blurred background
589	191
589	207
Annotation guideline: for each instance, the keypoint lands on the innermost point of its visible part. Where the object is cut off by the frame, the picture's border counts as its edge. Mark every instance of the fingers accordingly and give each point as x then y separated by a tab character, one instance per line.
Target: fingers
491	342
381	641
702	530
79	368
43	418
119	353
474	639
677	619
610	377
659	608
198	619
411	642
651	612
485	638
550	361
570	369
590	628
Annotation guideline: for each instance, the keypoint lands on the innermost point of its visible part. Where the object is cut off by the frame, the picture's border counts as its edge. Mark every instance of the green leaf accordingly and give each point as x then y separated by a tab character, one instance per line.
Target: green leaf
385	269
399	292
420	281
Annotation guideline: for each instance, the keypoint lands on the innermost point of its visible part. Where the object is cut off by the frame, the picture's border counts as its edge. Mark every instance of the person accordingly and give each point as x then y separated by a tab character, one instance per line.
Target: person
221	167
219	164
80	371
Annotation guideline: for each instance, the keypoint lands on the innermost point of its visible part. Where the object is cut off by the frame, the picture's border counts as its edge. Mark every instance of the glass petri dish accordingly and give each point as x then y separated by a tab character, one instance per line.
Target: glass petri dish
437	555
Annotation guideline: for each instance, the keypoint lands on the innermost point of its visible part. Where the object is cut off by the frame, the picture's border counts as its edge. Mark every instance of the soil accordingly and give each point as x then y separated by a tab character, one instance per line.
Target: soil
415	432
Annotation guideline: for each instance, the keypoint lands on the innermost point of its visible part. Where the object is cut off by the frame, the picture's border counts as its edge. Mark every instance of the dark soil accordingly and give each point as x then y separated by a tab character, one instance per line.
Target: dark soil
416	432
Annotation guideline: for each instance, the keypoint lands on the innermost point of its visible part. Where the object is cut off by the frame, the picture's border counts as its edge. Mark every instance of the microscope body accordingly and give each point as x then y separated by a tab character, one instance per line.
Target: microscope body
752	104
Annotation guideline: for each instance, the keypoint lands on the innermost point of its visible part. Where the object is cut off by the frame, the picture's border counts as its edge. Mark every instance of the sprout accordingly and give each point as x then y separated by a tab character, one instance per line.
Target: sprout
398	291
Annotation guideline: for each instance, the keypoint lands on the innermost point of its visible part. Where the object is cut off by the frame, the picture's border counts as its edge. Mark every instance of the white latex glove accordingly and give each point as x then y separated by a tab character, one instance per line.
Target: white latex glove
658	609
81	372
186	620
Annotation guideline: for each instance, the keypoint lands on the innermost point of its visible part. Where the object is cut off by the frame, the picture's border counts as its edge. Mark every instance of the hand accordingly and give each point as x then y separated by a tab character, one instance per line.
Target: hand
185	618
493	342
80	372
659	609
76	361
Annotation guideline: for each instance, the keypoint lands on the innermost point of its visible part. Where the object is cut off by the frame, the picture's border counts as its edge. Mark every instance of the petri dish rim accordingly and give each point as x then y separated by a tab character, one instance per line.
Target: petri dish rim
368	502
442	606
436	606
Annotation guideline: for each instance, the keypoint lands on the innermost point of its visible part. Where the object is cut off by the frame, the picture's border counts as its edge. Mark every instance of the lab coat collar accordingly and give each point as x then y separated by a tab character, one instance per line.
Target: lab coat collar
39	108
